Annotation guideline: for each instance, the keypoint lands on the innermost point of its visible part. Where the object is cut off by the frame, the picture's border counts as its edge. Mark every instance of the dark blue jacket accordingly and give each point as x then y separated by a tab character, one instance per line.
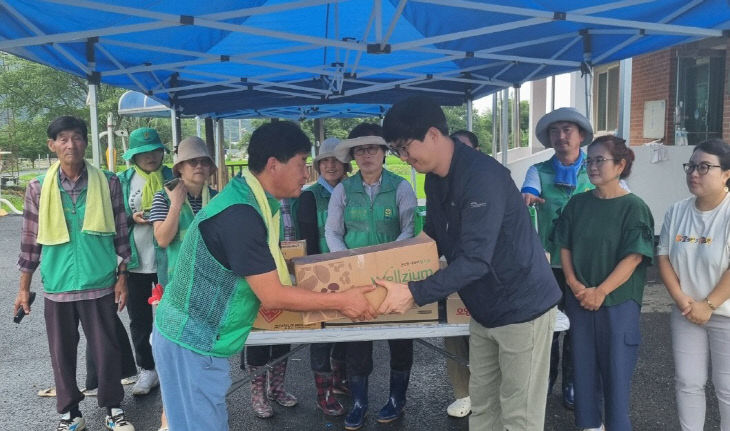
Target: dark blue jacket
496	262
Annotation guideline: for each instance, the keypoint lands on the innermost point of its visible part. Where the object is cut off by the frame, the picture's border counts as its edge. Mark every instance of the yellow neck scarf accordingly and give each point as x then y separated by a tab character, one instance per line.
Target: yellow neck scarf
153	184
98	218
272	225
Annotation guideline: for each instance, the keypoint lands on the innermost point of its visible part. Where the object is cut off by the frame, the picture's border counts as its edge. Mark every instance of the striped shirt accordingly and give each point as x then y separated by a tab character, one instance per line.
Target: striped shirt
30	250
161	206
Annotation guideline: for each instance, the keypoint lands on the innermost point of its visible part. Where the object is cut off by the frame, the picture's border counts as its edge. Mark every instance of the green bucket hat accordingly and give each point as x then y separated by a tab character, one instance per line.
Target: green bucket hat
143	140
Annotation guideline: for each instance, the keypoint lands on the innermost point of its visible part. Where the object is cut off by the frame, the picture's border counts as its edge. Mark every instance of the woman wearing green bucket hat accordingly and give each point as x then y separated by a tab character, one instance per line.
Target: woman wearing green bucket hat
139	184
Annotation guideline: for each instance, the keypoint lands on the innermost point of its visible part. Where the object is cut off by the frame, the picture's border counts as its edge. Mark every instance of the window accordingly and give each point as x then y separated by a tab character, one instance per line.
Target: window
700	79
606	97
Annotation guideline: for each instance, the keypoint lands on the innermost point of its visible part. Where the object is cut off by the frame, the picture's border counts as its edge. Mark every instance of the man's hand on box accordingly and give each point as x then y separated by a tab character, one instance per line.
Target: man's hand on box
356	306
399	298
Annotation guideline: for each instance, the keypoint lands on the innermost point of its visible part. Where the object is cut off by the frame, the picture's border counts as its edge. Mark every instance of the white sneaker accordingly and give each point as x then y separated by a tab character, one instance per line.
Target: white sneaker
117	422
600	428
562	322
459	408
146	380
68	424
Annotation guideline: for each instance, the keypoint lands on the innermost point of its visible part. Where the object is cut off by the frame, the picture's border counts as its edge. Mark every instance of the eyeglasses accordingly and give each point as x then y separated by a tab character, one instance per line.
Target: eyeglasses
401	150
598	161
203	161
370	149
702	168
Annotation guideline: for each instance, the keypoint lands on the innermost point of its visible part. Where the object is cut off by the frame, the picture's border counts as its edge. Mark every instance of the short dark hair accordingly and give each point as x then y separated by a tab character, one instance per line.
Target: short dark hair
279	139
366	129
411	118
67	122
619	151
469	135
719	148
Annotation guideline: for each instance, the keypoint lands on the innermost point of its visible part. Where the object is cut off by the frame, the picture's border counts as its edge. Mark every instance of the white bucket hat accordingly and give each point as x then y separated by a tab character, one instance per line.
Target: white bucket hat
342	151
191	148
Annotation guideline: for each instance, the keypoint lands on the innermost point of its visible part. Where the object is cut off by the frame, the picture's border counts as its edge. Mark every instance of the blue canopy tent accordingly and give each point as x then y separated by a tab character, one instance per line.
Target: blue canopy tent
214	58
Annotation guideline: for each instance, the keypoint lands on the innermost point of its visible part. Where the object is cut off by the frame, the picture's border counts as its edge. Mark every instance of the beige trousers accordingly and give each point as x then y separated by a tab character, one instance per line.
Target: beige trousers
509	374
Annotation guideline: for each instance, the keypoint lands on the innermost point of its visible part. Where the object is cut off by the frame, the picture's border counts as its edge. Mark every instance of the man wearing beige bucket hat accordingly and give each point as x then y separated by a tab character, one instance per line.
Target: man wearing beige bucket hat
139	184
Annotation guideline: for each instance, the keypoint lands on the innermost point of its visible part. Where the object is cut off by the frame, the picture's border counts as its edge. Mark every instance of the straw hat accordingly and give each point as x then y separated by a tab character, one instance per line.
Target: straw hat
191	148
563	114
143	140
327	149
342	151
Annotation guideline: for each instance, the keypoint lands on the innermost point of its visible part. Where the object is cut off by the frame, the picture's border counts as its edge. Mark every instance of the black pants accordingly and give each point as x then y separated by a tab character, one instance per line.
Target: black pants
555	355
320	354
97	317
258	356
128	367
360	356
139	287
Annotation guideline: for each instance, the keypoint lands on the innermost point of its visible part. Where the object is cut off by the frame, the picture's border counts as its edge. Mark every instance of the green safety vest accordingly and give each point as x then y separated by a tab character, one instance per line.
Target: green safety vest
206	307
125	178
87	261
556	197
371	223
322	200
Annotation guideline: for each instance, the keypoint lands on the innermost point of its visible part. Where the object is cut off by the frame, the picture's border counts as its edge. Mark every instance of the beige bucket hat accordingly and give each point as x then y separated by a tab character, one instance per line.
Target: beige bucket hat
191	148
342	151
326	149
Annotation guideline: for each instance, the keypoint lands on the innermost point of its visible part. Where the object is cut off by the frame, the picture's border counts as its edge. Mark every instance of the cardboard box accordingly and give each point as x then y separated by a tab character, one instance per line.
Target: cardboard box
402	261
281	320
456	311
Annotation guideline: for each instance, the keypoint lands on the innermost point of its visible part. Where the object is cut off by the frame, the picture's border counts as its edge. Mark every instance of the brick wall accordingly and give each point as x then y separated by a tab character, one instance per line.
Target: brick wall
653	77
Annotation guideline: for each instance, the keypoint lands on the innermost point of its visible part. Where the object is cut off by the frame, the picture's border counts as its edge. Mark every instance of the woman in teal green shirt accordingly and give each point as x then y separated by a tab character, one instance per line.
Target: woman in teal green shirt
607	240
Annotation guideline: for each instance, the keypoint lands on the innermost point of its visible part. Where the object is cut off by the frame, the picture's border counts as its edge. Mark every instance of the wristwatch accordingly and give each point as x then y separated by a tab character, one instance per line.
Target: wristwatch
122	272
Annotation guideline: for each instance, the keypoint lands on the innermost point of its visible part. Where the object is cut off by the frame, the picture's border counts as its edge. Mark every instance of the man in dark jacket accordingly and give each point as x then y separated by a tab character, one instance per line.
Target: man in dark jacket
496	263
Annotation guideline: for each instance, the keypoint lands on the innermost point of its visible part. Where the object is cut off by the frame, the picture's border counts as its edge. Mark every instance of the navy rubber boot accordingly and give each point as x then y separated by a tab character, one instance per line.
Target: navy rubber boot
359	390
393	409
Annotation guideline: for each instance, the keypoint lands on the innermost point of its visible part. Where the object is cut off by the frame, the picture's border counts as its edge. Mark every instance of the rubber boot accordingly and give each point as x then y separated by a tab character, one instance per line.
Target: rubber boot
359	390
276	390
393	409
259	402
339	377
325	398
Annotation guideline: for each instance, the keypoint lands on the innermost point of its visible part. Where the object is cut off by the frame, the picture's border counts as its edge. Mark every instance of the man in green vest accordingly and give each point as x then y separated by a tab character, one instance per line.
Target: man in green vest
75	228
139	184
229	265
548	186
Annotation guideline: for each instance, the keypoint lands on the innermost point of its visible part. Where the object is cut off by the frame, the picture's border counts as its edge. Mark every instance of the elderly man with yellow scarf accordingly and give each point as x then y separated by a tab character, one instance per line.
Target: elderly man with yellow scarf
139	184
75	228
230	263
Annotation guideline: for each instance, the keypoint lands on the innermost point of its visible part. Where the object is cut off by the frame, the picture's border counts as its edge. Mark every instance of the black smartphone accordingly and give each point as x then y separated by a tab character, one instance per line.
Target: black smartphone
170	185
21	313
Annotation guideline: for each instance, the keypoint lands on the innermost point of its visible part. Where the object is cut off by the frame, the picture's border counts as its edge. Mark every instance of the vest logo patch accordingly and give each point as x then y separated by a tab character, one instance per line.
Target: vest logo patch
269	315
388	212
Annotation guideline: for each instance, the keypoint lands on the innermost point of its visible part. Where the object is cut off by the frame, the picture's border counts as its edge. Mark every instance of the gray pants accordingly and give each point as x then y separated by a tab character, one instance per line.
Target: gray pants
509	374
693	347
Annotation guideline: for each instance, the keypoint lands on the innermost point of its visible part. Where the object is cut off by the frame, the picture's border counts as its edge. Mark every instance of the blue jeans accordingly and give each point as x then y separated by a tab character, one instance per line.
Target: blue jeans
193	386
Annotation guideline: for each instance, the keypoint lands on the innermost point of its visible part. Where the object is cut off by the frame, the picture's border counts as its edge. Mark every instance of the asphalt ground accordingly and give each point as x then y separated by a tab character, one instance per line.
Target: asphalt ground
25	368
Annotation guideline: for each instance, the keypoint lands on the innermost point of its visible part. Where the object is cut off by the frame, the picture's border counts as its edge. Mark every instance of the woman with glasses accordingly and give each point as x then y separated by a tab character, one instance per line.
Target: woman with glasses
606	237
374	206
693	258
